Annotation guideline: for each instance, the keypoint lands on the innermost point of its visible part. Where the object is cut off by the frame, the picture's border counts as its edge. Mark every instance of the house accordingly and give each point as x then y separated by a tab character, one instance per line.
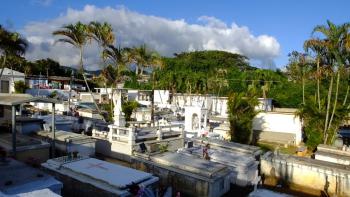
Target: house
37	81
59	82
8	79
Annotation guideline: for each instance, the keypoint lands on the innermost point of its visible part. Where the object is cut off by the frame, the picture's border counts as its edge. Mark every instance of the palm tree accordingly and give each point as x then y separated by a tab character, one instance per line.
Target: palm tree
318	46
138	56
118	57
77	35
143	58
334	50
299	69
10	44
241	111
103	34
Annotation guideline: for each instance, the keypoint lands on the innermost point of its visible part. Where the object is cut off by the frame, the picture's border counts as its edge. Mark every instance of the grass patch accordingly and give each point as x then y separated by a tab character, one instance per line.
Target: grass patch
265	146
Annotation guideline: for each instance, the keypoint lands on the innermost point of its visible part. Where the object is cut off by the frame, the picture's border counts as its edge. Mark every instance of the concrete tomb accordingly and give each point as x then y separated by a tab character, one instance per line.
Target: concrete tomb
306	175
333	154
67	142
243	166
195	121
17	178
186	174
28	148
92	177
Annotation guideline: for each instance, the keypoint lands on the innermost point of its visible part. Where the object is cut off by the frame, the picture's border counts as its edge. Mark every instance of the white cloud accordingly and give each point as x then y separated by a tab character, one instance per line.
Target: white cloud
164	35
43	2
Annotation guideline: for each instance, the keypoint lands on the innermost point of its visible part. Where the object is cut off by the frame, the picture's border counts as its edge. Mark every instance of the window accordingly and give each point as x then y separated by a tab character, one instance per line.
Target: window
5	87
2	111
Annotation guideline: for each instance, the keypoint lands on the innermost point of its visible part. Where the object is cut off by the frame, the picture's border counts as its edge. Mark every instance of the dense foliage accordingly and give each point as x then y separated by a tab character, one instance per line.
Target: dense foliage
20	87
241	109
324	68
220	73
128	107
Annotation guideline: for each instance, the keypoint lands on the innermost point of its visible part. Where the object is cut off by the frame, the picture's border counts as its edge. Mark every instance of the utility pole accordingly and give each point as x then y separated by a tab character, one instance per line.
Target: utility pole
152	100
70	88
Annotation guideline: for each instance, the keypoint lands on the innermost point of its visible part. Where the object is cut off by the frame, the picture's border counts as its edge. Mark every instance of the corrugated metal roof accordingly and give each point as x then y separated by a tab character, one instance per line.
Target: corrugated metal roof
17	99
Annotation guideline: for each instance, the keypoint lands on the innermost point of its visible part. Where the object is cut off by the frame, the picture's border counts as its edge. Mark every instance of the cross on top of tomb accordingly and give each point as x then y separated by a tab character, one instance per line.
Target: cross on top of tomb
97	165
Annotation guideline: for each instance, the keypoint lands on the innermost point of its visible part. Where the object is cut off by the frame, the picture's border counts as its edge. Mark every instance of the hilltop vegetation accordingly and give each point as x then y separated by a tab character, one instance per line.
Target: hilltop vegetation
220	73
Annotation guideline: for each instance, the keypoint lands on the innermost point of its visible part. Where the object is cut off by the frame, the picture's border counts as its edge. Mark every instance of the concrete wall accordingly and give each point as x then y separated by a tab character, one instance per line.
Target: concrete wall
86	97
40	155
332	154
142	115
264	104
186	183
59	107
219	106
89	114
182	100
279	122
161	97
306	175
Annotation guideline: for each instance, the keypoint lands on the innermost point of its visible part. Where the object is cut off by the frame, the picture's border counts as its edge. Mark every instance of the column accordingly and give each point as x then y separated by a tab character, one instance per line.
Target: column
14	130
53	130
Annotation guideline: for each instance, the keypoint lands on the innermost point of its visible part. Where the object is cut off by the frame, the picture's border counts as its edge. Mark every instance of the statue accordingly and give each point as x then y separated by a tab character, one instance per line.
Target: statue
195	122
119	118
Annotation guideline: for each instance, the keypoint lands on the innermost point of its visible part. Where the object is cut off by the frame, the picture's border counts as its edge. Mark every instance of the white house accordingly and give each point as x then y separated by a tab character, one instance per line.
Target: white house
8	79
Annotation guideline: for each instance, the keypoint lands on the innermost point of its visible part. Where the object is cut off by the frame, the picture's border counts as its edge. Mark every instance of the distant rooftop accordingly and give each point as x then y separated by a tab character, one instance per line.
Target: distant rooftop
60	78
10	72
17	99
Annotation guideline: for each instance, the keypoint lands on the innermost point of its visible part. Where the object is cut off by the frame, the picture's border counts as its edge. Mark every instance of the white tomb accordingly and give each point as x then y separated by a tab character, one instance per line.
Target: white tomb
244	167
195	121
102	175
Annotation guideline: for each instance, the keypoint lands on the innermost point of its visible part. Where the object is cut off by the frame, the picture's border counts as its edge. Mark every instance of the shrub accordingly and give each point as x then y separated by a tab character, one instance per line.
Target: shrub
241	113
128	107
20	87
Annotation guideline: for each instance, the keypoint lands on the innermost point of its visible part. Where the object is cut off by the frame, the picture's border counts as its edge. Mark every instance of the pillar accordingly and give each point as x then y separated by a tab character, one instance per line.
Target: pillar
131	136
14	131
53	129
159	133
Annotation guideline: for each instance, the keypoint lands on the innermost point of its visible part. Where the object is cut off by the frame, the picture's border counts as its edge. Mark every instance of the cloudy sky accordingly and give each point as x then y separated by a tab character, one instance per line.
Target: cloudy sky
264	31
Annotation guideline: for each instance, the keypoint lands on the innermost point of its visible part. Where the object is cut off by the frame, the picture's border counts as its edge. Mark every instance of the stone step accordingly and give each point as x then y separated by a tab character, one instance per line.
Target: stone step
281	138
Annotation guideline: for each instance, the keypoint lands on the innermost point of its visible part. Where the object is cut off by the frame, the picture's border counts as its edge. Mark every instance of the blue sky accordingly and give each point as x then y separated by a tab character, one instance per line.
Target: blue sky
289	22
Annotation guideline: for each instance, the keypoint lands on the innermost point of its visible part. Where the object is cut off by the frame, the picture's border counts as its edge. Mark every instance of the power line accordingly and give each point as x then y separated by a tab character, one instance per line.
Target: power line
249	80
